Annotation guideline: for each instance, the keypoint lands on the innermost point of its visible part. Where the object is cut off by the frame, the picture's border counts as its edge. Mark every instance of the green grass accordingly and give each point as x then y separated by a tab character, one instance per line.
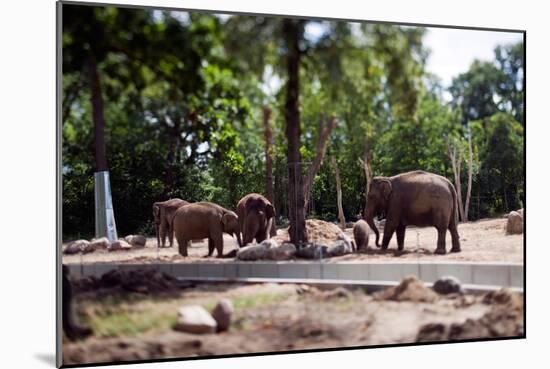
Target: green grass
116	317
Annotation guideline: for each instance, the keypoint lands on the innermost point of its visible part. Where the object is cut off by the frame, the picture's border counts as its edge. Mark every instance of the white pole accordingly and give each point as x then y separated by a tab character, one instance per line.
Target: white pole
105	225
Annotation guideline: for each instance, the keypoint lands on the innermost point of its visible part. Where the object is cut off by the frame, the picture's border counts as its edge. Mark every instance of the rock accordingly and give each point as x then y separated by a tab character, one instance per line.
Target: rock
520	211
313	251
102	243
269	243
447	284
88	248
76	246
136	240
222	314
347	239
339	248
284	252
195	319
514	225
252	252
120	245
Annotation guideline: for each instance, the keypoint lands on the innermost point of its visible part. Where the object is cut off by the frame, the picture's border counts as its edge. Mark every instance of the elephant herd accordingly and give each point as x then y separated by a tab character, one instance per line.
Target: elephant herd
254	220
416	198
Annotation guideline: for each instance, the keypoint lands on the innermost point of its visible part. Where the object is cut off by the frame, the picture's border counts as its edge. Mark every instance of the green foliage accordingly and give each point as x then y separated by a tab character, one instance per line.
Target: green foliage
183	101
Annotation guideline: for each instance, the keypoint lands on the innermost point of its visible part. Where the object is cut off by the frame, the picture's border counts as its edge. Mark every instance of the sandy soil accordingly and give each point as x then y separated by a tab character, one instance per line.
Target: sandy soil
483	240
279	317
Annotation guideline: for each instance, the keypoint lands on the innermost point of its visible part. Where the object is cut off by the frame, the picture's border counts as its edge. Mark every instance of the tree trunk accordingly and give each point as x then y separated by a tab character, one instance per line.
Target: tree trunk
339	194
97	116
320	148
268	135
293	33
456	158
470	169
169	178
365	164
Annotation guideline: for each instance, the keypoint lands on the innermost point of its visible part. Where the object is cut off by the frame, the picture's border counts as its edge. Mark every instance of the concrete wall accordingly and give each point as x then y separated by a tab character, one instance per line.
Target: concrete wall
490	274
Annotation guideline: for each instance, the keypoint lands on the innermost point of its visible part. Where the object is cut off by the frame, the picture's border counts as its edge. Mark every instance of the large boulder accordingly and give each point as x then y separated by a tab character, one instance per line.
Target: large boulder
284	252
313	251
195	319
136	241
222	314
514	225
252	252
76	247
341	246
120	245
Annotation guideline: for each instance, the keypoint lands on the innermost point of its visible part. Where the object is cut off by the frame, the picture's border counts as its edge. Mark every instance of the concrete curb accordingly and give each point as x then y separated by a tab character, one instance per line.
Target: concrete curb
486	274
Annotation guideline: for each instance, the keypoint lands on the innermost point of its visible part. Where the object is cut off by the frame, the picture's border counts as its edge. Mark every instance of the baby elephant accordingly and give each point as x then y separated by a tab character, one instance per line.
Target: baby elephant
204	220
361	235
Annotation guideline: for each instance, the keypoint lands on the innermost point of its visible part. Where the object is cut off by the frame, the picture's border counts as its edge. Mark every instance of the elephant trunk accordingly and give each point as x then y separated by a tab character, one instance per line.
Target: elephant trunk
239	241
158	234
369	217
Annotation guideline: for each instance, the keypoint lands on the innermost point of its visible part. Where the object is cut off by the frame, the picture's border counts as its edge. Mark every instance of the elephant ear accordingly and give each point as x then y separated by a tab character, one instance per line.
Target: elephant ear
386	188
269	211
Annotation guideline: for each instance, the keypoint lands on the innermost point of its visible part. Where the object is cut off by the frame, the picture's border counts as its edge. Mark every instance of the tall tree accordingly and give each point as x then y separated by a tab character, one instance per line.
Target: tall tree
293	31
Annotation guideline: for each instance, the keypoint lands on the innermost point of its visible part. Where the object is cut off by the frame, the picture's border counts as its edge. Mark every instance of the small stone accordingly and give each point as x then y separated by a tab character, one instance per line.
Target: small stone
76	247
284	252
447	284
120	245
195	319
136	240
222	314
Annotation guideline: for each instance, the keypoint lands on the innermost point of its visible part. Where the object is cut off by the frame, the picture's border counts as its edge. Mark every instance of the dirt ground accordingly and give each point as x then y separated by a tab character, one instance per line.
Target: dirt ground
280	317
483	240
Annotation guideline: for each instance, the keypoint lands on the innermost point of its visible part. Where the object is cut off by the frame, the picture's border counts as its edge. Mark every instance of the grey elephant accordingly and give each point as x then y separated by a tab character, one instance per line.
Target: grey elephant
414	198
163	212
204	220
361	235
256	218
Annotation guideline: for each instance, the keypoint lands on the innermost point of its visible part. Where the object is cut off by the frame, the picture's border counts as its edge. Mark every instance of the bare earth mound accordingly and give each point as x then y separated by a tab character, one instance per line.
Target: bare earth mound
318	231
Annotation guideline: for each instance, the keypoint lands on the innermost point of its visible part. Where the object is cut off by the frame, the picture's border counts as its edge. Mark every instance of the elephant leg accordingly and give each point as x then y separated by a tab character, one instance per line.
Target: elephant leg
455	237
441	233
183	243
210	246
261	236
171	236
163	233
218	243
400	235
158	235
388	233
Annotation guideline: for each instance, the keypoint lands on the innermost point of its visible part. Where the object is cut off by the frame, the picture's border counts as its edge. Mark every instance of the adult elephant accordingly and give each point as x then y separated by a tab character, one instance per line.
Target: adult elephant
204	220
256	218
163	212
414	198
